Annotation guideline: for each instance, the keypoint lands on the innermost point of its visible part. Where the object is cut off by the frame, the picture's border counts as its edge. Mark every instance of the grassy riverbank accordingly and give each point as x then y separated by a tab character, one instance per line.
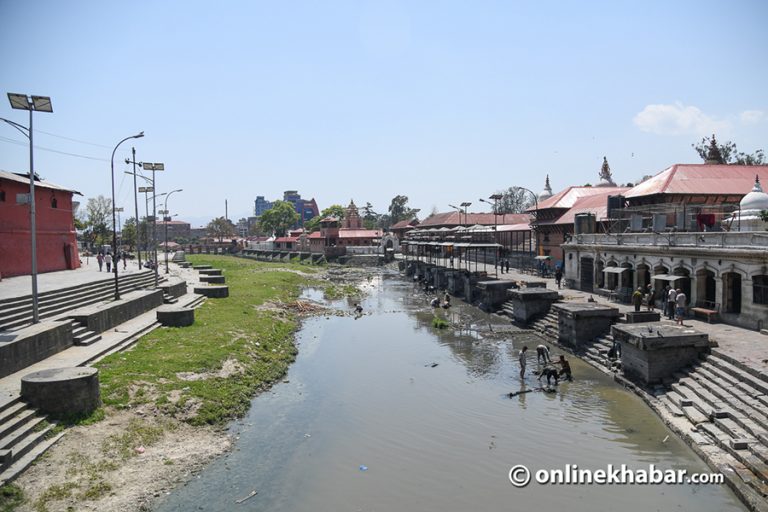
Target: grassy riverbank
207	373
166	398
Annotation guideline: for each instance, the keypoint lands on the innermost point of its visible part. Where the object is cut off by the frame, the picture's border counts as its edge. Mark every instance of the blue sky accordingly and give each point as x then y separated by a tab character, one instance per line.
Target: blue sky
441	101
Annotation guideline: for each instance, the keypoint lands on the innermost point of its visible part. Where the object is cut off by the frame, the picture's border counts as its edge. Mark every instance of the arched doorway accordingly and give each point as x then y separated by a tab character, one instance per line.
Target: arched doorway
643	275
587	277
705	286
731	293
684	283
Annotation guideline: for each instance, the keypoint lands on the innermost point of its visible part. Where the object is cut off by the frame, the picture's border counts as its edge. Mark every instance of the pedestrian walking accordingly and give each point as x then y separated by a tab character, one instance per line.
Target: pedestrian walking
671	303
108	261
100	260
125	260
506	262
522	357
558	277
680	301
637	299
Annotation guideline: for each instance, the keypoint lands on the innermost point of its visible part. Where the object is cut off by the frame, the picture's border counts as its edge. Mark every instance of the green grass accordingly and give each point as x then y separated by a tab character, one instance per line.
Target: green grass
260	341
11	497
334	291
439	323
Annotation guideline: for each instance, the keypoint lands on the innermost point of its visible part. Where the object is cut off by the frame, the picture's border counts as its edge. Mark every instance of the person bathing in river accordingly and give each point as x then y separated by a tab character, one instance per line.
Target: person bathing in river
522	357
542	353
358	309
435	303
565	368
549	373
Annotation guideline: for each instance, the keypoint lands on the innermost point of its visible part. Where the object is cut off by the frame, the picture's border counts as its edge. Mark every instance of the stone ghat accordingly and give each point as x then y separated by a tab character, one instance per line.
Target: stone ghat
717	406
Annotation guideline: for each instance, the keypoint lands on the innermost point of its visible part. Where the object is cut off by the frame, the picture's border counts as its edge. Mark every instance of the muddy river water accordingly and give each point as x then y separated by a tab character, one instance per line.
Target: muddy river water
366	421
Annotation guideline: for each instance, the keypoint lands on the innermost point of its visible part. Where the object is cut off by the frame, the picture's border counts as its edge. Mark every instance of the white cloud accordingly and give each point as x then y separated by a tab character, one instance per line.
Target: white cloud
677	119
752	116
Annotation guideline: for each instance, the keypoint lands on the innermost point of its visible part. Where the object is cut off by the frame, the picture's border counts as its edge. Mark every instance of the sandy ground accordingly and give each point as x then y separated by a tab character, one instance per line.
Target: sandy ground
85	459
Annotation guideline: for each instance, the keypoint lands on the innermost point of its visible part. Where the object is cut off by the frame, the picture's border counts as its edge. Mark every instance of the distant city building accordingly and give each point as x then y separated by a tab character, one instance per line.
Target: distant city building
260	206
306	208
242	227
177	229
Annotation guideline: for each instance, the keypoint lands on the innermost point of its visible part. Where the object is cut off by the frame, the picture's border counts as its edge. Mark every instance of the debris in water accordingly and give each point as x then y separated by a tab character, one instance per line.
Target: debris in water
665	439
431	365
251	495
363	468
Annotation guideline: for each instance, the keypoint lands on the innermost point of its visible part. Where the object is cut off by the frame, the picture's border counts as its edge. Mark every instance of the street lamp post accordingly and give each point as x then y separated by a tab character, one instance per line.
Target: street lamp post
154	167
166	219
466	205
495	205
114	230
136	203
40	104
535	214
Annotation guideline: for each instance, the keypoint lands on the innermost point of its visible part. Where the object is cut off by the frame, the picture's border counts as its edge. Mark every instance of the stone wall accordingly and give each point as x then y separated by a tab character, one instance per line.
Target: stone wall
27	346
100	317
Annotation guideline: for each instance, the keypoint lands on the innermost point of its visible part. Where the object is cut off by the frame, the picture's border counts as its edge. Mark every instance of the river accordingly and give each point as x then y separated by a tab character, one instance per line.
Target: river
365	421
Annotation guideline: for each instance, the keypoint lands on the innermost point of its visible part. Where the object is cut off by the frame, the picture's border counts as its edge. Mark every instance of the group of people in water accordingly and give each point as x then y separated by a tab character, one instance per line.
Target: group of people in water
435	302
549	370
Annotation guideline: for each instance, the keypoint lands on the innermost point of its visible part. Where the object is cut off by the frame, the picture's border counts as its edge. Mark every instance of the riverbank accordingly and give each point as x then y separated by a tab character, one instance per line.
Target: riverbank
168	399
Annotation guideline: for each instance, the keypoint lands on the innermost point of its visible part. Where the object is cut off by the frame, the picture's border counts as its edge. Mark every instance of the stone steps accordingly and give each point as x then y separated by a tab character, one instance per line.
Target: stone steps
720	401
17	312
82	336
22	431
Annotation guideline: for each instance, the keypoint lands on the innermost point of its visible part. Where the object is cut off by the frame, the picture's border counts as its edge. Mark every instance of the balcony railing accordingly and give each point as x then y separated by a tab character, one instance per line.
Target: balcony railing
751	240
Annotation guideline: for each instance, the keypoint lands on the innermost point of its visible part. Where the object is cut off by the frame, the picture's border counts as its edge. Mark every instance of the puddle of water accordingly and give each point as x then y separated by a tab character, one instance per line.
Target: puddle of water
365	392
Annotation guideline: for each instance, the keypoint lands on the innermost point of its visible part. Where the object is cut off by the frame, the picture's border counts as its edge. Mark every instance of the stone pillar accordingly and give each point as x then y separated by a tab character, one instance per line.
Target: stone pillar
719	298
578	323
531	302
651	354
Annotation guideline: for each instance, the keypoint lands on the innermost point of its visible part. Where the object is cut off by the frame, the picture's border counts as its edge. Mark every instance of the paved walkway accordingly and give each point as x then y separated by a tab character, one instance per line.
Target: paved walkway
748	347
20	286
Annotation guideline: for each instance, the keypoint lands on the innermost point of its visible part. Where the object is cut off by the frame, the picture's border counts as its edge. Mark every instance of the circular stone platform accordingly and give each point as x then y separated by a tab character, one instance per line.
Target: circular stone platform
62	391
213	292
175	316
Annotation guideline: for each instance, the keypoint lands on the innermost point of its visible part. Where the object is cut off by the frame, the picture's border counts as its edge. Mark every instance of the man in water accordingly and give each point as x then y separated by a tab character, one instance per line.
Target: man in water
542	353
565	368
549	373
522	358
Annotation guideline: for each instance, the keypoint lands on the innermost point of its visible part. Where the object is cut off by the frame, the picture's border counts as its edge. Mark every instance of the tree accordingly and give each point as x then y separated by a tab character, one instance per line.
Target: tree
279	218
370	217
335	210
714	152
399	210
220	227
98	220
128	234
514	200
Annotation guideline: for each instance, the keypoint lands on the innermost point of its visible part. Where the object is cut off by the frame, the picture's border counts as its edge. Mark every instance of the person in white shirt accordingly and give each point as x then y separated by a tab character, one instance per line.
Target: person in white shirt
671	303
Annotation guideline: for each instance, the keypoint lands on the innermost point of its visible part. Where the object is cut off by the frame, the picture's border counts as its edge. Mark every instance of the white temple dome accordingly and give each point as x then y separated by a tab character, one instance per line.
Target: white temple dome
756	200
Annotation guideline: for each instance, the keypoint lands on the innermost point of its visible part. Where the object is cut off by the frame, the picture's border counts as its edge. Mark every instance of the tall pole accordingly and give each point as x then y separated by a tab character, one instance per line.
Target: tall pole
166	219
114	226
136	204
33	225
154	224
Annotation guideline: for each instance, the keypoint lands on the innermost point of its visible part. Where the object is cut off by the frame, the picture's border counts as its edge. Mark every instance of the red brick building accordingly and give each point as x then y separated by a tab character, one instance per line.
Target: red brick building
54	225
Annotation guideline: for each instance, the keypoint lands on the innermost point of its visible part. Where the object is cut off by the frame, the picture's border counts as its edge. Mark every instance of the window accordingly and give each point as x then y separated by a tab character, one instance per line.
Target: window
2	196
760	289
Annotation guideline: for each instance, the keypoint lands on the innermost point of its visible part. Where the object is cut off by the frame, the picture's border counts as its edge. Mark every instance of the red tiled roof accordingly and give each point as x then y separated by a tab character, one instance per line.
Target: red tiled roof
596	204
567	198
316	234
359	233
404	224
702	179
523	226
284	239
484	219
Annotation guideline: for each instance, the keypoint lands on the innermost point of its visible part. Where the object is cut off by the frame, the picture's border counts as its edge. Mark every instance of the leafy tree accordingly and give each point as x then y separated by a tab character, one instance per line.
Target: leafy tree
370	217
128	234
710	150
335	210
514	200
219	228
399	210
99	220
385	221
279	218
764	215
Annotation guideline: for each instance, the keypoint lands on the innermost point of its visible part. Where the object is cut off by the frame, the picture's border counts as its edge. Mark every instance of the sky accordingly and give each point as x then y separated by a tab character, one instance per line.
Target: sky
441	101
